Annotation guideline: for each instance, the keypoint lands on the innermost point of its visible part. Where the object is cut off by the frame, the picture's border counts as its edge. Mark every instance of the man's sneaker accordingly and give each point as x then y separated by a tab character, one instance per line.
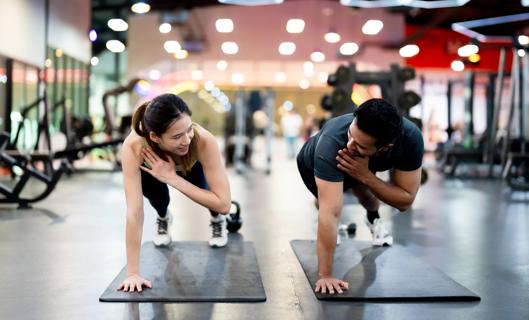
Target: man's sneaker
381	234
219	235
162	236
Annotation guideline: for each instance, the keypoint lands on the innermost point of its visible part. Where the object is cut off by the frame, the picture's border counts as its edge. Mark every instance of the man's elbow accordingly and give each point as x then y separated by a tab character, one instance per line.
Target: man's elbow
406	205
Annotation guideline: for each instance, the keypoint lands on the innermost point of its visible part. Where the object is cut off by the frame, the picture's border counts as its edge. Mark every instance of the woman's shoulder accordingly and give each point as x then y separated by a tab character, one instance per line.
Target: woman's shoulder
134	141
204	135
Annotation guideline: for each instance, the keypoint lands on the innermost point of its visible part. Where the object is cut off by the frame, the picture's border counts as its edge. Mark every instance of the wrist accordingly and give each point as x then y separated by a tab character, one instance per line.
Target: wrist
132	273
368	178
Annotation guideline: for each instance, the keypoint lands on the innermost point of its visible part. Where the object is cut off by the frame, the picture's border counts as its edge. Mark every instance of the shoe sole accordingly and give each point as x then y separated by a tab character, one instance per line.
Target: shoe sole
384	243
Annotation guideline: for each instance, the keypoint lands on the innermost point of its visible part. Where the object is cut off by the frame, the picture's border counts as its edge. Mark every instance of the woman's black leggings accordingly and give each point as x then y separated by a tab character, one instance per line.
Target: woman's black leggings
158	193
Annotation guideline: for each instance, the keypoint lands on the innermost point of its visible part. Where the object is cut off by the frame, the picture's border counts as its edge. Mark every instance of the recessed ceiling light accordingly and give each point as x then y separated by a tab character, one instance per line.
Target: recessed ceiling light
372	27
287	48
224	25
222	65
409	51
251	2
295	25
140	7
332	37
165	28
348	48
457	66
172	46
115	46
317	56
118	25
230	47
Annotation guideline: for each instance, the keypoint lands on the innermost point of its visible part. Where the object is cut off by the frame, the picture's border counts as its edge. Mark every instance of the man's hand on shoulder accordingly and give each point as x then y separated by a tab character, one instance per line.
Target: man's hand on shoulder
355	166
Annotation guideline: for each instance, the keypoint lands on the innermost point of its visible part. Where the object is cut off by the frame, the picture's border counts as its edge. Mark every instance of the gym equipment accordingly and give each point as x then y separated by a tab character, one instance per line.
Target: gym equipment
351	228
240	130
515	156
14	194
194	272
234	219
391	84
381	274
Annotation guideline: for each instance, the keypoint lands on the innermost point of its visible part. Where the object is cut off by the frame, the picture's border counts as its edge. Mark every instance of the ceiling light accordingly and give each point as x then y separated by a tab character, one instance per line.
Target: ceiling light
521	52
224	25
308	68
295	25
92	35
209	85
181	54
317	56
332	37
165	28
322	77
523	40
115	46
467	50
140	7
287	48
474	58
237	78
172	46
118	24
372	27
222	65
230	47
251	2
409	51
457	66
155	74
348	49
94	61
431	4
304	84
196	75
280	77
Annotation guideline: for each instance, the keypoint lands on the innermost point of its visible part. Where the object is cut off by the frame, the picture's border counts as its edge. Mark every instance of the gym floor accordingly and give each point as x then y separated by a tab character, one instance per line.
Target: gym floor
57	258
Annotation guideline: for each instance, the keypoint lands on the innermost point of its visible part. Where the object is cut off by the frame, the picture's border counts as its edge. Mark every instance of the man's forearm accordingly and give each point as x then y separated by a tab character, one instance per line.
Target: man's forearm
326	242
391	194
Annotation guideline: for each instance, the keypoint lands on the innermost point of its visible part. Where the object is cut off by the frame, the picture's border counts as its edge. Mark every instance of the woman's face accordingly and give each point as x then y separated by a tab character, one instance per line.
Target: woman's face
177	138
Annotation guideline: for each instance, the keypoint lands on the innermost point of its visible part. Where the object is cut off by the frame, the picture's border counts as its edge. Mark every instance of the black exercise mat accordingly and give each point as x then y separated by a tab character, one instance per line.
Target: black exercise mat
381	274
194	272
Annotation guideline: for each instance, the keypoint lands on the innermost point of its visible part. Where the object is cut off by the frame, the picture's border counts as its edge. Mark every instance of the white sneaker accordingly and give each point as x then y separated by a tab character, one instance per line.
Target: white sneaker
381	234
162	236
219	234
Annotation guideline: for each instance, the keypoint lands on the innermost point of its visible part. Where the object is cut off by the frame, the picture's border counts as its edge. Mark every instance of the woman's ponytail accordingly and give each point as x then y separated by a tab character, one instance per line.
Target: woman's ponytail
138	123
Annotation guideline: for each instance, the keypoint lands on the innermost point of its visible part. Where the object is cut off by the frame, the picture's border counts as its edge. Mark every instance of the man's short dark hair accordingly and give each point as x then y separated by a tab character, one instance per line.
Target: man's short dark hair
379	119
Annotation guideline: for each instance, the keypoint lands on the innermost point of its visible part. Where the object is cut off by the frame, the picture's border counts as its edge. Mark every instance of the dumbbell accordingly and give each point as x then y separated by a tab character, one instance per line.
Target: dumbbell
234	219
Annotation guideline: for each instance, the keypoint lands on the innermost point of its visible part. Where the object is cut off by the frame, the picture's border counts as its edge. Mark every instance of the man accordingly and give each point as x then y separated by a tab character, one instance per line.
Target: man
344	156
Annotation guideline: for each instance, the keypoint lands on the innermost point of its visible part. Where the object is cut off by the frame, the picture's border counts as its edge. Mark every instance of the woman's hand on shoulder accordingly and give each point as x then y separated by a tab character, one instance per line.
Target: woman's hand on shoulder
163	171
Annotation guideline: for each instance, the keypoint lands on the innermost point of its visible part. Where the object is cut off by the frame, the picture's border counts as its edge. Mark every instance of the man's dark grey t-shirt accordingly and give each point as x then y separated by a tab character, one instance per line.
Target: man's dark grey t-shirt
318	155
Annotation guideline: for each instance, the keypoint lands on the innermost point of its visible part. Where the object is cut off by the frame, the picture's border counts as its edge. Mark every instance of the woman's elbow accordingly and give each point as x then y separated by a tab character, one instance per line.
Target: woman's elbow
225	206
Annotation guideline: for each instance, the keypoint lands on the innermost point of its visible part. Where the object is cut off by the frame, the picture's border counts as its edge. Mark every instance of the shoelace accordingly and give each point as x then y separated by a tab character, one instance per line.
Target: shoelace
217	229
162	226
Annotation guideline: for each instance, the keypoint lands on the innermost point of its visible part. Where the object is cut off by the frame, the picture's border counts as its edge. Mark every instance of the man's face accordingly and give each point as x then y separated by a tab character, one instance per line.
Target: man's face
360	143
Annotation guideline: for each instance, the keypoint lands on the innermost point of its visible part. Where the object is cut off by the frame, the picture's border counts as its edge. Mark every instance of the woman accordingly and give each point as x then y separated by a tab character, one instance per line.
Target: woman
167	148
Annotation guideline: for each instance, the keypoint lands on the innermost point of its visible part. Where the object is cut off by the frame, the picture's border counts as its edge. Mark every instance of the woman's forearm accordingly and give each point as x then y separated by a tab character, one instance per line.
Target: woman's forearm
206	198
133	242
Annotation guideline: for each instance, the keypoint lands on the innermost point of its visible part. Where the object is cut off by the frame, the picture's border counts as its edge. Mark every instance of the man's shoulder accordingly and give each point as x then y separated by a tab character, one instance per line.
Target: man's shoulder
410	130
